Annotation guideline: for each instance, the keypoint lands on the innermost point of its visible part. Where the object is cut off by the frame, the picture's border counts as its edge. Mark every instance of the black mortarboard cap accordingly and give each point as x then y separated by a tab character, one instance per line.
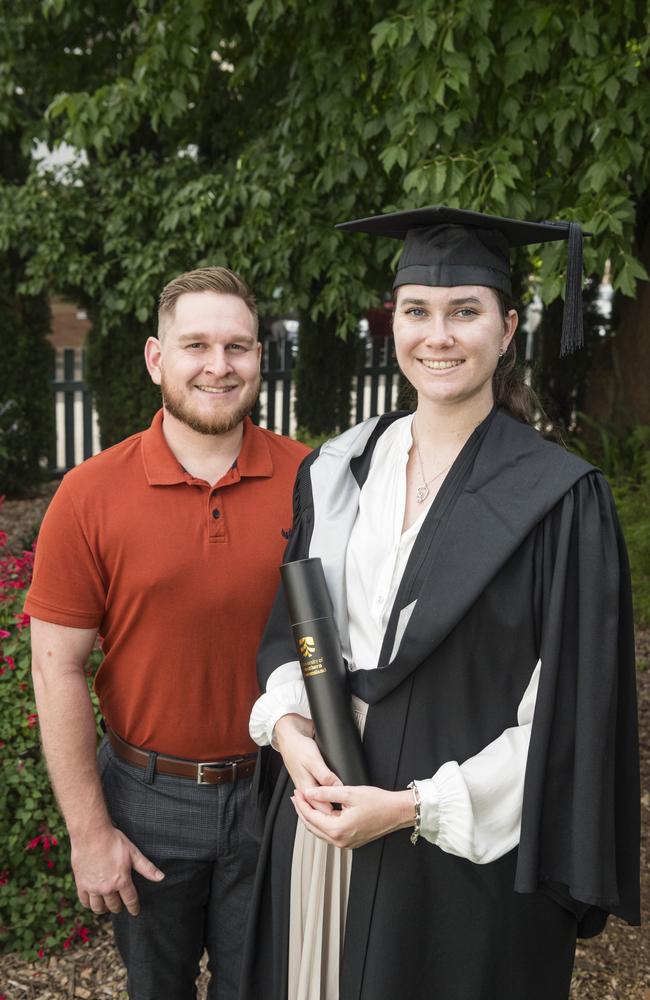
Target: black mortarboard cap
452	246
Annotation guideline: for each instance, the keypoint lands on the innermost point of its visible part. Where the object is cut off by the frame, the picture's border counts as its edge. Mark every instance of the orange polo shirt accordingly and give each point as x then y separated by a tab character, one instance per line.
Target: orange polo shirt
177	577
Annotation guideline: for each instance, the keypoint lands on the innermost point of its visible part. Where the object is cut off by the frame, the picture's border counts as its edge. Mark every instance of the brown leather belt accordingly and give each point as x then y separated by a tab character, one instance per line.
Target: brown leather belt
213	772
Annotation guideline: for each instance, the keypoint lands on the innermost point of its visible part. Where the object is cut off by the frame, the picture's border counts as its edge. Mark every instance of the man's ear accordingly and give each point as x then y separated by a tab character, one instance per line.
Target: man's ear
152	358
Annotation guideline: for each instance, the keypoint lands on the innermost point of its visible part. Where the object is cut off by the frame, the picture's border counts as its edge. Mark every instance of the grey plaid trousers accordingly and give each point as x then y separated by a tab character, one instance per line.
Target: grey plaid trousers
197	836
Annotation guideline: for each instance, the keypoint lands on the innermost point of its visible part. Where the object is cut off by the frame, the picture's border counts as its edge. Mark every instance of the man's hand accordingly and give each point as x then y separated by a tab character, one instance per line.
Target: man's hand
102	868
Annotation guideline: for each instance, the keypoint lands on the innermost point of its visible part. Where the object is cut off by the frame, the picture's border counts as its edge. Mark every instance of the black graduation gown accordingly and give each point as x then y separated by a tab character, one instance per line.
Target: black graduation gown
520	557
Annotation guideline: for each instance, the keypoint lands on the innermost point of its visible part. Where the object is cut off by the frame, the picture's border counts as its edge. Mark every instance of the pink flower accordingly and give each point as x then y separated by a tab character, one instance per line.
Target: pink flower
4	538
11	663
54	842
33	844
41	953
50	864
22	620
4	634
32	719
67	943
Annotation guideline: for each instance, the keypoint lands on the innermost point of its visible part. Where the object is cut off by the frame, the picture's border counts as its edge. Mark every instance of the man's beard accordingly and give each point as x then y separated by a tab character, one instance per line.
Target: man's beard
221	423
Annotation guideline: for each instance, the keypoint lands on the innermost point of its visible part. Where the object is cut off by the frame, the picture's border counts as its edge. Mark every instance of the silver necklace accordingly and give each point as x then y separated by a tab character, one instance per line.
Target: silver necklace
423	491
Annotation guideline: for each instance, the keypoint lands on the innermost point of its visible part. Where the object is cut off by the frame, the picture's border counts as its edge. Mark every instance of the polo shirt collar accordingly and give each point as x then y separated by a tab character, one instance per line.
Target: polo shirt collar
162	468
254	458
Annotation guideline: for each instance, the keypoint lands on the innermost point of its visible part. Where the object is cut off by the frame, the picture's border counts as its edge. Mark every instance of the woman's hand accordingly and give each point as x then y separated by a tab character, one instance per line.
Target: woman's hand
366	813
294	737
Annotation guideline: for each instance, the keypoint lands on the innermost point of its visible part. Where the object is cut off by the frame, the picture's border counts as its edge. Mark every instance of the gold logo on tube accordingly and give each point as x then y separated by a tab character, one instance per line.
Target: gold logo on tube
306	645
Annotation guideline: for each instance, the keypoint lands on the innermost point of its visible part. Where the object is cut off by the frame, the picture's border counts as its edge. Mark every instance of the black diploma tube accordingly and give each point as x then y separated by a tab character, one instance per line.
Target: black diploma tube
323	669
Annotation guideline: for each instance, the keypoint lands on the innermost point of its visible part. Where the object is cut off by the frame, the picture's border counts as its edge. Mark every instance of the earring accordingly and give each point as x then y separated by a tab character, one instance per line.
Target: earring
501	353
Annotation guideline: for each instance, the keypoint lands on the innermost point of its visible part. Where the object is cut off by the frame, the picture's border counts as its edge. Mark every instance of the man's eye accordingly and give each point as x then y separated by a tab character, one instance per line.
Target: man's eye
465	313
415	311
236	347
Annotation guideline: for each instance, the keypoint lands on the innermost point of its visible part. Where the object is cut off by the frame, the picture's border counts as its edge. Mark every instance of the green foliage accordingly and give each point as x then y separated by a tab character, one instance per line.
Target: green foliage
560	385
240	133
26	405
311	440
491	106
124	395
39	911
633	503
324	371
624	457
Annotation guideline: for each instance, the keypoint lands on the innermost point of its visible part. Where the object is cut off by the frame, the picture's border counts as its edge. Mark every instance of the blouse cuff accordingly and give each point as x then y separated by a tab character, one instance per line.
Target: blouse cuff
446	809
285	695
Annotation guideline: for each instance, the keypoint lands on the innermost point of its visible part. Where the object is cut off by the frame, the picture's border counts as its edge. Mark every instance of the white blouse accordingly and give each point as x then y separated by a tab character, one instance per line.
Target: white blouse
471	809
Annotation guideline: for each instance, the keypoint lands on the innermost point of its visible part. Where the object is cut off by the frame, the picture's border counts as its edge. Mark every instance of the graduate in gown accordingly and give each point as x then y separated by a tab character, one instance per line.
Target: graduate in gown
481	592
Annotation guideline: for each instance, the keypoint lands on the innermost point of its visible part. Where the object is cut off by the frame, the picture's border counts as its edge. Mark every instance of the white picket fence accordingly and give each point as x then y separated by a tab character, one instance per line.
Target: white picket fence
374	390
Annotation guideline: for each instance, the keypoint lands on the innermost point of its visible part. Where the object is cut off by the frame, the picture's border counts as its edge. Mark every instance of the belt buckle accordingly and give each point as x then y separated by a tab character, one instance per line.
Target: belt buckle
200	779
221	765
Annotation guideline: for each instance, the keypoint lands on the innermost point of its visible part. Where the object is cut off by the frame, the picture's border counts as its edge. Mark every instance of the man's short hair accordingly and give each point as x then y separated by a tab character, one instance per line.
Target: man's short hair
204	279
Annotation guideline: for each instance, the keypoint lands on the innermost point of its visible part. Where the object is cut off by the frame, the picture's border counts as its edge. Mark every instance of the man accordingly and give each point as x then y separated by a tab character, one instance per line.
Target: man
167	546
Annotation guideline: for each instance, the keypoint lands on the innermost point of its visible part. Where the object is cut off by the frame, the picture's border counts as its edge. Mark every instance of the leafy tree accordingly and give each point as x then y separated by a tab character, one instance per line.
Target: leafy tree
26	404
26	411
254	129
37	59
531	110
139	205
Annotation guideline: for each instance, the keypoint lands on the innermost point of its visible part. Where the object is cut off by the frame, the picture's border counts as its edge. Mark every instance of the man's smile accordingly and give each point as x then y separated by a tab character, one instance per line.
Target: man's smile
217	390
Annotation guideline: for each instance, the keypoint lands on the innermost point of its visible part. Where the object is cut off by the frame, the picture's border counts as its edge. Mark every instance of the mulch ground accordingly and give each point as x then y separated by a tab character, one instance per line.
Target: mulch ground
613	966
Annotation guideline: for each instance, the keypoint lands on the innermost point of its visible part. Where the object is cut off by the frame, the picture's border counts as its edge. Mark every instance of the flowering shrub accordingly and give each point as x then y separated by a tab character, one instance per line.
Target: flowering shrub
39	910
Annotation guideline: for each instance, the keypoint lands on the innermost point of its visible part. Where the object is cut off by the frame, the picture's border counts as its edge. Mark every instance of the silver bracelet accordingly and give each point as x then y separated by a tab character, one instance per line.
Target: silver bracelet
417	803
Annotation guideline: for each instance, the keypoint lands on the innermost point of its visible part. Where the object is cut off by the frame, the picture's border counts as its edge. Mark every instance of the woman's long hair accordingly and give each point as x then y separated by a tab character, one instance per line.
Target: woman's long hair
508	382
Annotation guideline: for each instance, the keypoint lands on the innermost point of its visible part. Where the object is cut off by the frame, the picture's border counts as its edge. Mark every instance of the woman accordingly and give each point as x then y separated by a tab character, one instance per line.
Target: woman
481	592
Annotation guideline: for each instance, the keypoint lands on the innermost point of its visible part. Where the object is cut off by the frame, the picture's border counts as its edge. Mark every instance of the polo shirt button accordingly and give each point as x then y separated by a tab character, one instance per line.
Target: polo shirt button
216	513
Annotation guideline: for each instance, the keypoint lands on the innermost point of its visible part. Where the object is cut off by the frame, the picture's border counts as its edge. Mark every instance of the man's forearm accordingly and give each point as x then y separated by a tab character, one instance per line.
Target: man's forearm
69	736
102	857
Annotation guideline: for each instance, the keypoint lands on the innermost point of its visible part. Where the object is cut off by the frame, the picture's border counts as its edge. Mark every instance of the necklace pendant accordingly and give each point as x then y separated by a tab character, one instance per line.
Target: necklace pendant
423	493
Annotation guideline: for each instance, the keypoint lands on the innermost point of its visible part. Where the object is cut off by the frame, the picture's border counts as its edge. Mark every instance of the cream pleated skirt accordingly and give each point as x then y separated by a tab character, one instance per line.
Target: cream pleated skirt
320	881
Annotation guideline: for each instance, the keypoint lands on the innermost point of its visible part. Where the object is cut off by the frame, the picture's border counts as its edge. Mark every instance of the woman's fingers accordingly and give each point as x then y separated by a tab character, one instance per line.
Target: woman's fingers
323	794
313	819
325	822
365	814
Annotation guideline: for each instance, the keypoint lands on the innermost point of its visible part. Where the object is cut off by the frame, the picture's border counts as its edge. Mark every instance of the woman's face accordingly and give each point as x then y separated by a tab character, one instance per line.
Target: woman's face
447	341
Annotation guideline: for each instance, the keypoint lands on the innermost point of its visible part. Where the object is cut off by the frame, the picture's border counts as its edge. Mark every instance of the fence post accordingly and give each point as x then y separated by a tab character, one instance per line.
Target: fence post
380	368
74	415
287	386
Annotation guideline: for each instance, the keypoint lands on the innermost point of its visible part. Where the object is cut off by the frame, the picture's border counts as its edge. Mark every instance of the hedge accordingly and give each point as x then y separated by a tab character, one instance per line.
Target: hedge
39	909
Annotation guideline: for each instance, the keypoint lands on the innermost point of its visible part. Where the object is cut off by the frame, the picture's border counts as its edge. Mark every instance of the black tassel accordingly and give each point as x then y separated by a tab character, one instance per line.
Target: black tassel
572	331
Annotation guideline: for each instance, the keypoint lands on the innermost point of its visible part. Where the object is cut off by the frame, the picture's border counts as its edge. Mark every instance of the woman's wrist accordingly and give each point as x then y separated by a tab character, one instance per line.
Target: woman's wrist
290	725
404	809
